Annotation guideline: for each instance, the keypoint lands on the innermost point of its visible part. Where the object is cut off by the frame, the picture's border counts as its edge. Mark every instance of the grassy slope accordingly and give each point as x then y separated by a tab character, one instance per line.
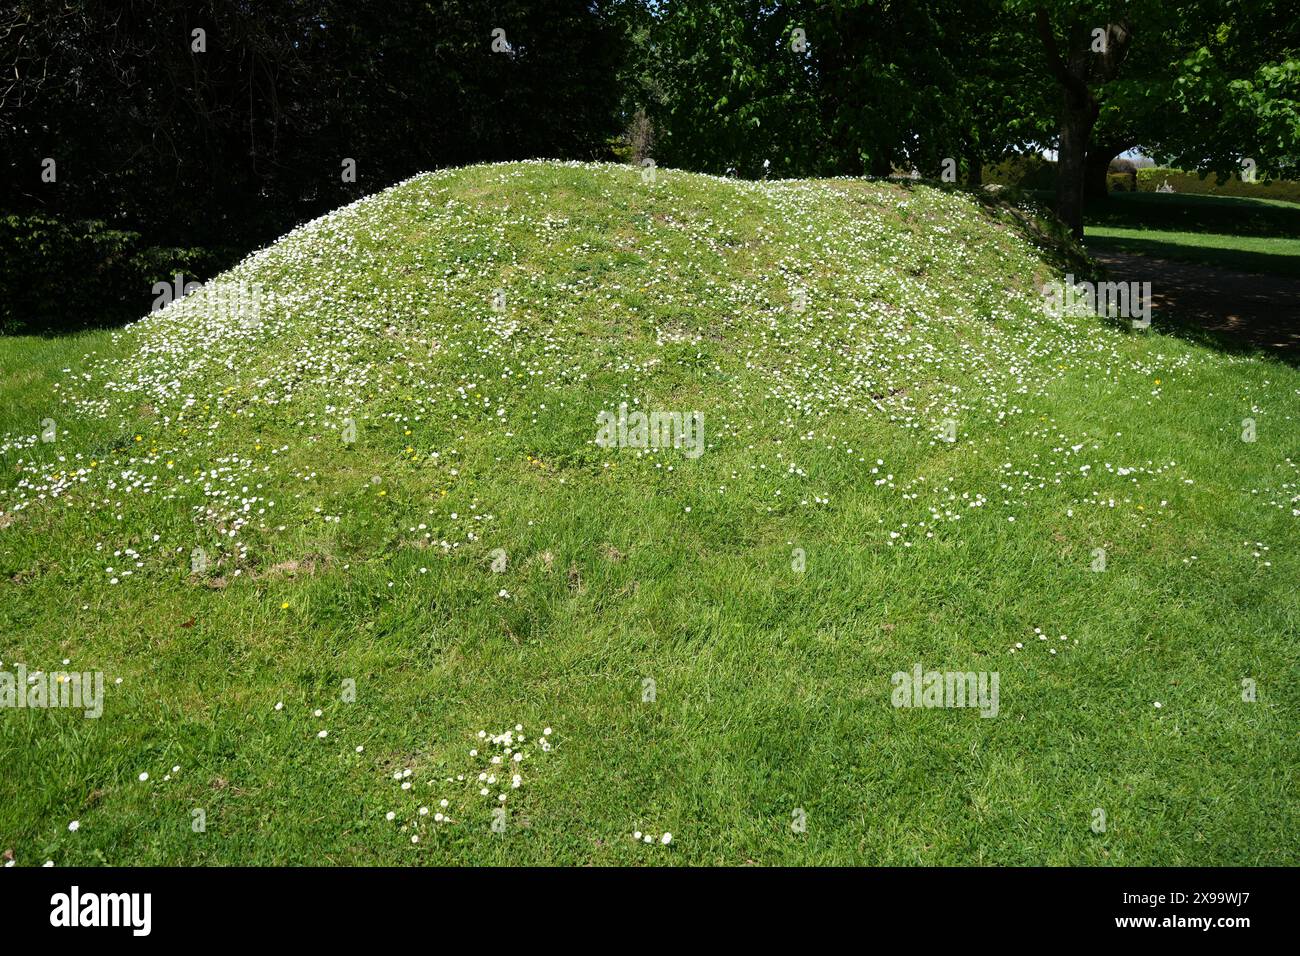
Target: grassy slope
475	432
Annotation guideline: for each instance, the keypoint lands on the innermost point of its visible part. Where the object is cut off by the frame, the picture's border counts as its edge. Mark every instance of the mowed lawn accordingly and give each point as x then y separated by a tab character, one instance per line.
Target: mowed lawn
1231	232
405	524
1261	254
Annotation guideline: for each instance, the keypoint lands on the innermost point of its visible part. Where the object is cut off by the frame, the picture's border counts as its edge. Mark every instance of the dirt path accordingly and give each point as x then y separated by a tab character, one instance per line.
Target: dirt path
1240	308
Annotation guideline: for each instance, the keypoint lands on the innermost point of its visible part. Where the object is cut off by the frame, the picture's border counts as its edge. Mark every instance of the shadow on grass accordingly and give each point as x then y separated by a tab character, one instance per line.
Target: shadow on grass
1186	212
1179	326
1033	218
1241	260
1232	312
1230	215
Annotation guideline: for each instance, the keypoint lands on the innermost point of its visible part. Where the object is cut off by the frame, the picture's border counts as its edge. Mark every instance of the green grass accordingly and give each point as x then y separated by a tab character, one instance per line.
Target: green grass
373	561
1265	255
1184	212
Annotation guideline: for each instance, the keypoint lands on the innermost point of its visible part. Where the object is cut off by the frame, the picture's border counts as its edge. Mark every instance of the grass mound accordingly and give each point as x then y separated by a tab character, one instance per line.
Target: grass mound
357	553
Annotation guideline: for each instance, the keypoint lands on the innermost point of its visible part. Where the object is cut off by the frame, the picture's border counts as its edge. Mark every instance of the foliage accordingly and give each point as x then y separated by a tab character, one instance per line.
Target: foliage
1027	171
1207	184
836	88
57	275
247	137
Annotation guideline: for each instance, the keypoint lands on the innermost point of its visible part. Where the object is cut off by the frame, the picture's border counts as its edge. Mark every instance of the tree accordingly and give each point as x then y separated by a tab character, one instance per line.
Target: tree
1207	84
212	121
1088	56
810	87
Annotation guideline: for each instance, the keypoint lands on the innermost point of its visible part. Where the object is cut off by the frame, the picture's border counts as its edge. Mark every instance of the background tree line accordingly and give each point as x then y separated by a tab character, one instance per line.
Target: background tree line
184	134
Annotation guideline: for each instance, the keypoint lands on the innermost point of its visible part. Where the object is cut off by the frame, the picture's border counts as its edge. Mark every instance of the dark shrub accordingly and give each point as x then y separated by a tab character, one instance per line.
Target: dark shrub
62	276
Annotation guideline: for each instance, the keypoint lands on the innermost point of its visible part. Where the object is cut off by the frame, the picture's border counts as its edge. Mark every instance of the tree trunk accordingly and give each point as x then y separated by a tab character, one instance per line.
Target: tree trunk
1071	163
1073	68
1096	168
1096	185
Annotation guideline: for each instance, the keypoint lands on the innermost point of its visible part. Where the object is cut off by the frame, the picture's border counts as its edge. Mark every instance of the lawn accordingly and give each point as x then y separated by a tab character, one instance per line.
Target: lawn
335	554
1232	232
1184	212
1267	255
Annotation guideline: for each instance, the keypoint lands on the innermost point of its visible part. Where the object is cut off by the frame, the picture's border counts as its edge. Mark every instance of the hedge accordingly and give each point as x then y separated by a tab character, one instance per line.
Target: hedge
1150	179
1120	182
1029	171
59	276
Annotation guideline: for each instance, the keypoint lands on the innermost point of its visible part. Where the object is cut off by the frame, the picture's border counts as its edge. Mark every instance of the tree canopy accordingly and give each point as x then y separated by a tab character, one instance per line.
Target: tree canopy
198	121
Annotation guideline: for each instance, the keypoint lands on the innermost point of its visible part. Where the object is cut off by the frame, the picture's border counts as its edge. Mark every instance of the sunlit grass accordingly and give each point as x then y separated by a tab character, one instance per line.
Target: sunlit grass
711	640
1262	254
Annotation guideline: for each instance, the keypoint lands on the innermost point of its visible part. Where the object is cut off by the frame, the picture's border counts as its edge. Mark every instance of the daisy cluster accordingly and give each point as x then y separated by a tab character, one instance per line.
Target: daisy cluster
419	314
493	772
1044	641
1286	497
